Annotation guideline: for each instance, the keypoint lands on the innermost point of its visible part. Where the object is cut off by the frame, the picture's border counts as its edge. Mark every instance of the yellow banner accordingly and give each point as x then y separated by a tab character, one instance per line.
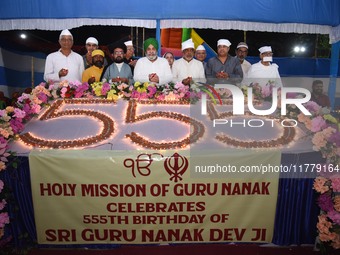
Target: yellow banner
140	197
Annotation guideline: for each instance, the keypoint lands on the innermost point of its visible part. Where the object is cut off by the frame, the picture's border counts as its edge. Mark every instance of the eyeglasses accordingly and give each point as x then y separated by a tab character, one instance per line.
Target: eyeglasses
91	45
267	53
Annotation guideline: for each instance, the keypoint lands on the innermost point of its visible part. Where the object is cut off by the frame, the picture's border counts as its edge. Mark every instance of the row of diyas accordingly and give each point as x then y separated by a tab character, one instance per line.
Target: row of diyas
105	133
131	117
287	136
107	130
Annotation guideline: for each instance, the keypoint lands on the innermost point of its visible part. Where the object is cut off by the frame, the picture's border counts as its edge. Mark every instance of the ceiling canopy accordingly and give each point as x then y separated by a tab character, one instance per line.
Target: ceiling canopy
291	16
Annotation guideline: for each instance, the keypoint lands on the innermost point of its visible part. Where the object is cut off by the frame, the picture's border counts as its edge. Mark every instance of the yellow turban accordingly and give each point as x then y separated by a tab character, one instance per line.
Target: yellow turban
98	52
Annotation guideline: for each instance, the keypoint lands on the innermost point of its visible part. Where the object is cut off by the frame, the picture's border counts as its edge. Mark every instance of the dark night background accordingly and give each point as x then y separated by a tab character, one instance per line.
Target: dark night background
282	43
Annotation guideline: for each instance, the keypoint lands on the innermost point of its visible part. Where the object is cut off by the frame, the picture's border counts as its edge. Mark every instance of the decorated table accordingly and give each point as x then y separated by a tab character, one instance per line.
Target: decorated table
114	172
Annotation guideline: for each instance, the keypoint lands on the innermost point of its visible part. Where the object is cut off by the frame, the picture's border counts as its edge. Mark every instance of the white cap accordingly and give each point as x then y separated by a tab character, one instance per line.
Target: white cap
188	44
92	40
223	42
265	49
200	47
65	32
128	43
242	45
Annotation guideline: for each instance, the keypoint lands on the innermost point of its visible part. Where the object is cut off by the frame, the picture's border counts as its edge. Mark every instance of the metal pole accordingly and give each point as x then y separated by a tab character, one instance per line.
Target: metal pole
32	72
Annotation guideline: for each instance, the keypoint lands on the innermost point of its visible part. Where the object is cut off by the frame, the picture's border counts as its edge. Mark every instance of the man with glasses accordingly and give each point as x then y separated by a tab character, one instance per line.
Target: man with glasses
264	72
241	54
64	64
129	55
118	71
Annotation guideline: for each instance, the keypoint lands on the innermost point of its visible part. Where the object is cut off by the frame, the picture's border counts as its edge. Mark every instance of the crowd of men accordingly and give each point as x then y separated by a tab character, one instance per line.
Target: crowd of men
193	66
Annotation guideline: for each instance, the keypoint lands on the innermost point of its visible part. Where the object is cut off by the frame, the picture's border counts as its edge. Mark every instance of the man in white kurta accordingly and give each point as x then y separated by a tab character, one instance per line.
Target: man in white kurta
241	54
64	64
152	68
264	72
187	69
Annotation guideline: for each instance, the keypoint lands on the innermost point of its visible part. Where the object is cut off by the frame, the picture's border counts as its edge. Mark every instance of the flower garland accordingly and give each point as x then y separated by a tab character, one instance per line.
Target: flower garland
324	129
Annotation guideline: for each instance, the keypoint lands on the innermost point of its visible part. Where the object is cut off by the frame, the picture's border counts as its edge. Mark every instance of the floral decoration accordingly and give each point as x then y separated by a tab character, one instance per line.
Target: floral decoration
323	127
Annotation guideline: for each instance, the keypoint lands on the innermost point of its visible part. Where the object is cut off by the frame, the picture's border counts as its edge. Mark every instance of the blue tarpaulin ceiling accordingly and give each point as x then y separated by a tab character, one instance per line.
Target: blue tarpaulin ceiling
298	16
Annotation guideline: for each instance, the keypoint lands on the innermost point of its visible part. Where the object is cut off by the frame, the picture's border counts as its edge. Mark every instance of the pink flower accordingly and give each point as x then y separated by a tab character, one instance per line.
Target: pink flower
335	184
152	90
63	91
318	123
325	202
105	88
266	91
16	125
1	185
334	216
335	138
19	113
2	204
4	219
42	97
312	107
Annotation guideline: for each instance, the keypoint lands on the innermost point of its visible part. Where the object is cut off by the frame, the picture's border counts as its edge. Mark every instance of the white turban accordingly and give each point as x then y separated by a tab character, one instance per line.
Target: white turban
188	44
265	49
65	32
92	40
200	47
223	42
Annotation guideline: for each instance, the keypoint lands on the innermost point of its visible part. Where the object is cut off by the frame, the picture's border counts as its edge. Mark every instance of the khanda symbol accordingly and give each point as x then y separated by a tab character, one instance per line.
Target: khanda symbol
176	165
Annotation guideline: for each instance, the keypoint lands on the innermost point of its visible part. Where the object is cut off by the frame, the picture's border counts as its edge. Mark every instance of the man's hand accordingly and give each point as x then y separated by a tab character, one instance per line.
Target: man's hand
133	62
63	72
91	80
187	81
153	77
222	75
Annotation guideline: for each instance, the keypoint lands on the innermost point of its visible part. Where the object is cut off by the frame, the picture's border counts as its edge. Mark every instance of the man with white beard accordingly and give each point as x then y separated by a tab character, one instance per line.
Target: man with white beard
152	68
187	69
264	71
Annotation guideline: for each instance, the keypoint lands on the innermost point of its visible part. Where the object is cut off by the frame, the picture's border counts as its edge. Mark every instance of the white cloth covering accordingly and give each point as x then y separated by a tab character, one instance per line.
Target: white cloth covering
182	69
57	61
160	66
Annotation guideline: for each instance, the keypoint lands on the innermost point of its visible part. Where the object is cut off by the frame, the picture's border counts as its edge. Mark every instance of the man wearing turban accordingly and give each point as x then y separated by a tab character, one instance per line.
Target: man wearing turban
152	68
118	71
93	73
264	72
187	69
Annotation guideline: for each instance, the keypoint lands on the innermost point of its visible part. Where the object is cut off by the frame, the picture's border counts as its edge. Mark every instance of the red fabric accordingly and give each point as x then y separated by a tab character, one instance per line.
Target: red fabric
194	249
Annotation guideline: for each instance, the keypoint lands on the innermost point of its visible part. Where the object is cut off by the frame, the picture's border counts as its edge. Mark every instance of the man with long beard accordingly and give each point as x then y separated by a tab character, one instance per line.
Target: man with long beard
118	71
152	68
93	73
